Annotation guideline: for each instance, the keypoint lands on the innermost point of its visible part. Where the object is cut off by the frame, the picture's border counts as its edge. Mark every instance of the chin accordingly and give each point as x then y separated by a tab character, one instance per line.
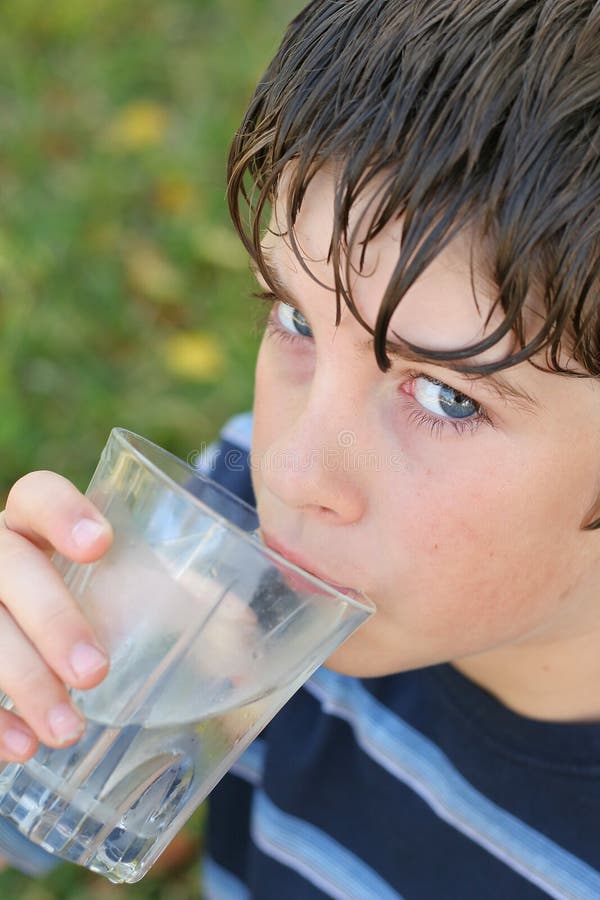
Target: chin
360	660
362	657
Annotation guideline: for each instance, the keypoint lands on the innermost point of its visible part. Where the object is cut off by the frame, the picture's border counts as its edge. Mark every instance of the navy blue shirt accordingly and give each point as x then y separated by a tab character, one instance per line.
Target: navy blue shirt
417	785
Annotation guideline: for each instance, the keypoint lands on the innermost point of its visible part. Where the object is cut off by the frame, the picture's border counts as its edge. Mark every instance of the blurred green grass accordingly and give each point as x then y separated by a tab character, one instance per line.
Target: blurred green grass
123	291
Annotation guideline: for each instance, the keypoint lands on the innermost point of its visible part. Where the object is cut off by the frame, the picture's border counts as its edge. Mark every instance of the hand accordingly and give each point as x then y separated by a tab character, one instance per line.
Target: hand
46	644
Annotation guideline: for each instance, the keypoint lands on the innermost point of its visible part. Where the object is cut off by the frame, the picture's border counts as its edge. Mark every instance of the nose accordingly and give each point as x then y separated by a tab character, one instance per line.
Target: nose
314	467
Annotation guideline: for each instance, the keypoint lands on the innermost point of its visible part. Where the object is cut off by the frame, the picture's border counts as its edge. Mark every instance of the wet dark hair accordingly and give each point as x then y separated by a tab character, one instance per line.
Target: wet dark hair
471	113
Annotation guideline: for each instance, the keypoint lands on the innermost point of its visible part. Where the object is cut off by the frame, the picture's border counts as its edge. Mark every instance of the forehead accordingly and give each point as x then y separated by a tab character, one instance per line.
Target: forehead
446	308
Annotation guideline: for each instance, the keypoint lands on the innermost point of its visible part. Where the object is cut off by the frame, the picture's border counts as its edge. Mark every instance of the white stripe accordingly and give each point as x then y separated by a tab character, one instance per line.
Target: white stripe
220	884
315	855
205	462
419	763
250	766
238	430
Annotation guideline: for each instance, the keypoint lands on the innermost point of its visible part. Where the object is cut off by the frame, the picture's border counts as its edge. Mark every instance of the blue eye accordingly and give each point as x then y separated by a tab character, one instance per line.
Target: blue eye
443	400
292	320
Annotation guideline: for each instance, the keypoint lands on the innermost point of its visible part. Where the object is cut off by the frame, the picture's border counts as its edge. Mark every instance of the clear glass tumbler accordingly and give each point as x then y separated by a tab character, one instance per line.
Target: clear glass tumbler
209	633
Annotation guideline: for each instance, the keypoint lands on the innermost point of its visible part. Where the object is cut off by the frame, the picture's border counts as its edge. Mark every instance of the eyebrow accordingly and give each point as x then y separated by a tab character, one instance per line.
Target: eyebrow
494	382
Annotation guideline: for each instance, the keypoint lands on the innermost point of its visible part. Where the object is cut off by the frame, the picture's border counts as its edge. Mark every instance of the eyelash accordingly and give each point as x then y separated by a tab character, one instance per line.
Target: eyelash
282	334
419	417
269	324
436	425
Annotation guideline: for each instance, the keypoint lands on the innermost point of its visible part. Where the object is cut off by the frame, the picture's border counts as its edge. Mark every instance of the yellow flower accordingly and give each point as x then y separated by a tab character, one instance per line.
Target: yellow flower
196	355
219	246
151	274
138	125
174	194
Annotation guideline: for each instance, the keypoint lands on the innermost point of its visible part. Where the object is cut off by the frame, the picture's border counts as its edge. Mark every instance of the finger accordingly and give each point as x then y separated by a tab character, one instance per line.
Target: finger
40	699
17	740
35	596
51	513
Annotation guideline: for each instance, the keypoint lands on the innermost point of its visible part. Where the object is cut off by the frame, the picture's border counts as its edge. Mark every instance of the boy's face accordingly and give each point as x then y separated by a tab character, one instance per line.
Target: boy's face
456	506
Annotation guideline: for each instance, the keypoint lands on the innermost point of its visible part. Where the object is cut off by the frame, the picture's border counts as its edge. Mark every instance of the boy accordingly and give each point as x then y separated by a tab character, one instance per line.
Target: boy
426	429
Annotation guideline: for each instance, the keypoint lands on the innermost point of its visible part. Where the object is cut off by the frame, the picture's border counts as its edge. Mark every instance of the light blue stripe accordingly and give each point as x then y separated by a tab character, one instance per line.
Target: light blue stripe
419	763
206	460
251	764
219	884
315	855
238	430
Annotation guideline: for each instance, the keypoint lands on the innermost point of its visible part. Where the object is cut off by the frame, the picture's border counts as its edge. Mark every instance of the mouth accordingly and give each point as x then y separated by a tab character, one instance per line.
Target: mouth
302	562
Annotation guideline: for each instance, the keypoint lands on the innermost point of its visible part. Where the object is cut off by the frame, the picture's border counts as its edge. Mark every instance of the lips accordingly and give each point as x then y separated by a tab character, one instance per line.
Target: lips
301	561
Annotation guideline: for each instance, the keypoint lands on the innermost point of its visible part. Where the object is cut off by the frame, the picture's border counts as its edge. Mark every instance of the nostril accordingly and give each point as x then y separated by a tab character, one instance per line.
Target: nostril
314	490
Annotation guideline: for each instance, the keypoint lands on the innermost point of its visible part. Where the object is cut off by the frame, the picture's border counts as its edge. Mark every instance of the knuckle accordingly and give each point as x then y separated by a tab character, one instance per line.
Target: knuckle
22	488
28	685
32	680
14	549
56	620
36	681
31	486
20	660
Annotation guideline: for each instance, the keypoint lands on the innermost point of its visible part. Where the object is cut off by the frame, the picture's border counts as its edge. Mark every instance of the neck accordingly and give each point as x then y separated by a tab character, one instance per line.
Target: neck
550	680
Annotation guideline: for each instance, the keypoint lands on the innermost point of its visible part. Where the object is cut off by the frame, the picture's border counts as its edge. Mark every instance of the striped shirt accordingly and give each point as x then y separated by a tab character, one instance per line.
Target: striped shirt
416	785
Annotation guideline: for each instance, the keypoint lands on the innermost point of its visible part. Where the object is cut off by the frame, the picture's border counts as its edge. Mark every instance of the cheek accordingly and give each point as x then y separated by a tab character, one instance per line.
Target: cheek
282	378
271	401
482	561
275	406
265	398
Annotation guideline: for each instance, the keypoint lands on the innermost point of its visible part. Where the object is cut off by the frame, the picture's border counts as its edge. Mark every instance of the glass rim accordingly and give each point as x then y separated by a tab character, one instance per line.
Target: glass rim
123	437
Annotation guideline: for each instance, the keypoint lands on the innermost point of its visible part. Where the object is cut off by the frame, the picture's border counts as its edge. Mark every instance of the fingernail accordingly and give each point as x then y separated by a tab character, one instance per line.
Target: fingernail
86	659
17	742
65	724
86	531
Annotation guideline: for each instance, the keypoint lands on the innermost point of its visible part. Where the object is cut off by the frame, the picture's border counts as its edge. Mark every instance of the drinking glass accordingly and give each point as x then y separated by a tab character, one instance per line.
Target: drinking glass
209	633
